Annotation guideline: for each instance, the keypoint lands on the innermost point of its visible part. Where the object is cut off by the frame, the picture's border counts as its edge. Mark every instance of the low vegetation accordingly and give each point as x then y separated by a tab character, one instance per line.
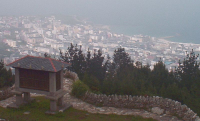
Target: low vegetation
40	105
6	77
79	89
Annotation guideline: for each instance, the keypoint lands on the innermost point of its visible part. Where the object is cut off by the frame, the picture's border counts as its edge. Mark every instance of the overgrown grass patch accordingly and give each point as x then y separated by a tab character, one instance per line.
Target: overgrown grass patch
38	108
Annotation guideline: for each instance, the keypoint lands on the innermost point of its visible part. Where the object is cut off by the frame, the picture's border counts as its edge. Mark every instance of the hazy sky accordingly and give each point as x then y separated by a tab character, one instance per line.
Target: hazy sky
125	8
141	9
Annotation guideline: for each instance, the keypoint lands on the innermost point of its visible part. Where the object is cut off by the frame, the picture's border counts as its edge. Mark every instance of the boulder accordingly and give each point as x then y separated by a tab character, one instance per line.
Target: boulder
157	110
197	118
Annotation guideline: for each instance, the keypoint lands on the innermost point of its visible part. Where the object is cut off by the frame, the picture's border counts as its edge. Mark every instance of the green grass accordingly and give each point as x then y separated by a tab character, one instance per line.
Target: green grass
40	105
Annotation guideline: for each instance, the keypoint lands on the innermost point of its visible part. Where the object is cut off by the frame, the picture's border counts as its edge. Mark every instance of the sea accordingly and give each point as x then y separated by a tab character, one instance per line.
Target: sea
179	32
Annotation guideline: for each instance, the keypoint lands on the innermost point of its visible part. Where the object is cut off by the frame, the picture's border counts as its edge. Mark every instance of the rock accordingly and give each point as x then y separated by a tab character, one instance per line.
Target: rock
2	119
26	113
102	110
197	118
167	112
157	110
61	111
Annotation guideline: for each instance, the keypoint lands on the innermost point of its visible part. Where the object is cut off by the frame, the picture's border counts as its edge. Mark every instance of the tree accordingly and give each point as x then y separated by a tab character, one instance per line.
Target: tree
121	58
46	55
159	75
88	59
68	56
75	56
6	77
1	64
96	67
138	64
80	63
186	71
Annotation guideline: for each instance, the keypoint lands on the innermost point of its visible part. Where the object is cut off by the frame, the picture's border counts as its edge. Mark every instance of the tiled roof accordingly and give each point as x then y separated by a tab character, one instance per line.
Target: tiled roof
39	63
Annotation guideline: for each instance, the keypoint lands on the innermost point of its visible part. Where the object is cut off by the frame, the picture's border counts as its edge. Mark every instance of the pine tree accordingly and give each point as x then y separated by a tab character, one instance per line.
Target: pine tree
159	75
81	63
75	56
95	65
68	56
138	64
1	64
46	55
121	59
186	72
88	59
6	77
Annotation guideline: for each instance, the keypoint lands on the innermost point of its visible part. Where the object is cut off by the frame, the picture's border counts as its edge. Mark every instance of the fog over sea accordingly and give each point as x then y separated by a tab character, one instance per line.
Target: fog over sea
157	18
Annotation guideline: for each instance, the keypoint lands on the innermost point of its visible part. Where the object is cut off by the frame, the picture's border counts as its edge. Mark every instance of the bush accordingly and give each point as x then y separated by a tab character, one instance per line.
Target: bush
79	89
6	77
92	82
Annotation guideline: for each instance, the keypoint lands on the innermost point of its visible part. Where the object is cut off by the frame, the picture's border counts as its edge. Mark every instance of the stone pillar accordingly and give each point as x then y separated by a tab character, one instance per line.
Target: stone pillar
53	105
27	97
52	83
19	99
61	79
17	79
52	90
60	101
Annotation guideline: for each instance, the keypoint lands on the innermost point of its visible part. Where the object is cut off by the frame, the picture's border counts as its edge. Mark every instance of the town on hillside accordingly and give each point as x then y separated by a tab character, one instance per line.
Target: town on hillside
36	35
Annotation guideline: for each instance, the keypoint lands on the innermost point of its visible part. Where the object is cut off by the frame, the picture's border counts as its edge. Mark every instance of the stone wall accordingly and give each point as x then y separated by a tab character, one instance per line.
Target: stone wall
6	93
71	75
154	104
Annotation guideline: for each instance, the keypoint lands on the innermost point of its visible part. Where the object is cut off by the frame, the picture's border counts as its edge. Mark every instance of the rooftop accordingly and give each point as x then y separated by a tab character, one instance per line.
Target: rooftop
39	63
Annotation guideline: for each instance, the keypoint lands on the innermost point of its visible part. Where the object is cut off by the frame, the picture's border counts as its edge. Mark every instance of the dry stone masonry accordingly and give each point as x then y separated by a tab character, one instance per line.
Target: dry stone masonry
6	93
72	74
154	104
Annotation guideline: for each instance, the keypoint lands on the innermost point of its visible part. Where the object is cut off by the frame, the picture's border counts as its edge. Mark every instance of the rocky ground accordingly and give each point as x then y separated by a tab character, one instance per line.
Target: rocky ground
81	105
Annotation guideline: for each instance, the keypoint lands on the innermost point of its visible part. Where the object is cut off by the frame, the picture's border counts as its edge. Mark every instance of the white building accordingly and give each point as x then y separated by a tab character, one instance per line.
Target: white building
57	45
42	50
11	43
90	31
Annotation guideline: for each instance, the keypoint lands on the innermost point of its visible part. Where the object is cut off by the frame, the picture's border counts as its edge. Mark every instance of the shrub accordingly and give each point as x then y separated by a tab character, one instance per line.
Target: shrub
92	82
79	89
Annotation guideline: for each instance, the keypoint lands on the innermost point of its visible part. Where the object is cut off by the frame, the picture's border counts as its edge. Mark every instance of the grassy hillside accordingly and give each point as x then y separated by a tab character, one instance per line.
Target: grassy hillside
40	105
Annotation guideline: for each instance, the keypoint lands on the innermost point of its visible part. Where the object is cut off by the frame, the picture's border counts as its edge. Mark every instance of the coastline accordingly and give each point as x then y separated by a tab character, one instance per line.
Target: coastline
173	36
163	39
128	31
